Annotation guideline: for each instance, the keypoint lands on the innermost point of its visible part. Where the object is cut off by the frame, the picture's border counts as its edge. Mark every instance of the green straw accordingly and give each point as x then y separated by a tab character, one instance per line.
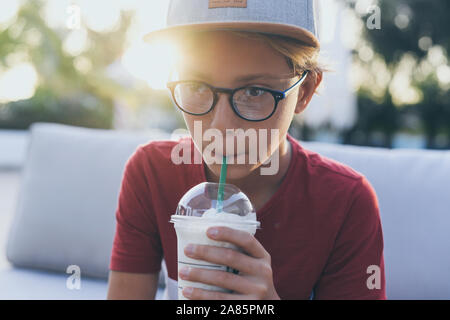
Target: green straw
223	176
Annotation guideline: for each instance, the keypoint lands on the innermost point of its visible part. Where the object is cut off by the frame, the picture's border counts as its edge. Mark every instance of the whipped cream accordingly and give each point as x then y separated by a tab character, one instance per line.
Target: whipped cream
226	216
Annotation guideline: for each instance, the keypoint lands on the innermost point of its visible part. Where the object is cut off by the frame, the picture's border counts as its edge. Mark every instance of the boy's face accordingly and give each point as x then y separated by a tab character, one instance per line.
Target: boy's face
223	58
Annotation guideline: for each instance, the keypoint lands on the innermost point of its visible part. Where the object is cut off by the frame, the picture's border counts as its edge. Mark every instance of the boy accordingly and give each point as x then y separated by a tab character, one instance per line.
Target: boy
249	65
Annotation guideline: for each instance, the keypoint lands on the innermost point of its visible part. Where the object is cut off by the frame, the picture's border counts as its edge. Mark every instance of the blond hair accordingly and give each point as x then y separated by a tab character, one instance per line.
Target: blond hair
298	54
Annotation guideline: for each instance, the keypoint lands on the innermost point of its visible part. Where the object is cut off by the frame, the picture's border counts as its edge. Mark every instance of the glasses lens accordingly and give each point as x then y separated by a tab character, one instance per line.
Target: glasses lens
254	103
193	97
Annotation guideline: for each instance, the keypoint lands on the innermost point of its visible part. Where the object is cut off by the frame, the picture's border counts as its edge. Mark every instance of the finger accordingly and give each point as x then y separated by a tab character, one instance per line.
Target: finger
201	294
227	257
240	238
222	279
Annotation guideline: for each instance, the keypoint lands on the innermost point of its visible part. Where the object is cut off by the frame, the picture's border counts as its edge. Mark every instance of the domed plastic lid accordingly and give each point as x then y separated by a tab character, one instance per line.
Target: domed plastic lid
203	197
200	203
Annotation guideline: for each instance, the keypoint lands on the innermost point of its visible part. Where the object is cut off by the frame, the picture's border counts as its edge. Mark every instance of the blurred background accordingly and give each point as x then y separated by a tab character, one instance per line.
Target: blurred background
83	63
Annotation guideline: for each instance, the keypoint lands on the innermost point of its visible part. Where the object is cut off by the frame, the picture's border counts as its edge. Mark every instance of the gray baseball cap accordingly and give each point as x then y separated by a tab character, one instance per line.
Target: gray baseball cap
291	18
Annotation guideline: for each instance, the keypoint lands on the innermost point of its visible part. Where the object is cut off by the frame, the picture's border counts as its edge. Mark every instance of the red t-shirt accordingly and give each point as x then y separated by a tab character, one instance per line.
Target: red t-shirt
322	227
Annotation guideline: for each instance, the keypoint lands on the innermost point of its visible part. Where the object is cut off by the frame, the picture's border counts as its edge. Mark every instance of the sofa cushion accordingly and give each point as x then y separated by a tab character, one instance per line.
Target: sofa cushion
68	197
27	284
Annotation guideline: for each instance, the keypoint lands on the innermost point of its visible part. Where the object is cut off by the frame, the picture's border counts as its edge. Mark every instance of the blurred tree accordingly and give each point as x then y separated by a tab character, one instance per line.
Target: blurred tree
434	110
404	23
72	89
373	117
413	43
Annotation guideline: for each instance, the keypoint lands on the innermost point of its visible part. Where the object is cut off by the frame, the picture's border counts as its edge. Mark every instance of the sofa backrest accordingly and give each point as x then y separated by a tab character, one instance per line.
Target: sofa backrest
68	196
413	189
72	176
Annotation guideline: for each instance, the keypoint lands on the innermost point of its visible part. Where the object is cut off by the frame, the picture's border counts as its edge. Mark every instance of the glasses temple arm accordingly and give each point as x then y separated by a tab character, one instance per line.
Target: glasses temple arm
299	82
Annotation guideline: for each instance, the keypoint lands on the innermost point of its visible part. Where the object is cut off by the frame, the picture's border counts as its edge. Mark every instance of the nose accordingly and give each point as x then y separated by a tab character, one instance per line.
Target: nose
223	116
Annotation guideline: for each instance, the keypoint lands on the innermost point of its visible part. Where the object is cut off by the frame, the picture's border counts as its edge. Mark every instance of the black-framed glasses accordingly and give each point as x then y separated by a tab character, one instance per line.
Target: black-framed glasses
251	103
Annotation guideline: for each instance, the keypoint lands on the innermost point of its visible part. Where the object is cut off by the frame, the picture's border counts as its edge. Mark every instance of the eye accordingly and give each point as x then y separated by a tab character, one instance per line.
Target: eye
254	92
197	87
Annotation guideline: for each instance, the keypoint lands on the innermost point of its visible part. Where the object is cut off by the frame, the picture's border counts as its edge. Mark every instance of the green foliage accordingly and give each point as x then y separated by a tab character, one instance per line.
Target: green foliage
80	110
64	94
425	18
422	19
373	117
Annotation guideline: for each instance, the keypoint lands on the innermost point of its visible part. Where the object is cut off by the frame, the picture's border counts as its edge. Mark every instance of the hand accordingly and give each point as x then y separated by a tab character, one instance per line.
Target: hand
254	280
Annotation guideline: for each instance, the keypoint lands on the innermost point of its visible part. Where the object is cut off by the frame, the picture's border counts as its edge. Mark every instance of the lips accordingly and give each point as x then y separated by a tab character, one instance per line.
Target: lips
213	153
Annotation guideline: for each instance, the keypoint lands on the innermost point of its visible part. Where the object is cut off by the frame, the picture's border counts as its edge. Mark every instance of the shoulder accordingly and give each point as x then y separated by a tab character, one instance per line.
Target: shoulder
330	179
158	152
320	164
152	157
342	194
324	169
157	148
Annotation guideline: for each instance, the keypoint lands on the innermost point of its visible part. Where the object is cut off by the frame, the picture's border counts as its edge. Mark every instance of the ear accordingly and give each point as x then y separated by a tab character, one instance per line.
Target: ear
307	90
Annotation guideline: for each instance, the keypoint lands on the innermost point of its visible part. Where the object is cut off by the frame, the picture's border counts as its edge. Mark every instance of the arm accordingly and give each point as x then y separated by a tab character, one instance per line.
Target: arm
136	253
133	286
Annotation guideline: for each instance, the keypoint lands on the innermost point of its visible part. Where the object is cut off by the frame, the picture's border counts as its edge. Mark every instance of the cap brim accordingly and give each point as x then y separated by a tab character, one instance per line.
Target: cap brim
180	31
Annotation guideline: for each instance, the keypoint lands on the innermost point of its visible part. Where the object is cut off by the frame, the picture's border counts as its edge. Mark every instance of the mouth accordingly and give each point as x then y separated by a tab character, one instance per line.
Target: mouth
230	155
231	158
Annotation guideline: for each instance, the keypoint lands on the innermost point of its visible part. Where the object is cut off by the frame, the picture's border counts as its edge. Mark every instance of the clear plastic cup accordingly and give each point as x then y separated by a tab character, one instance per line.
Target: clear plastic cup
196	213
